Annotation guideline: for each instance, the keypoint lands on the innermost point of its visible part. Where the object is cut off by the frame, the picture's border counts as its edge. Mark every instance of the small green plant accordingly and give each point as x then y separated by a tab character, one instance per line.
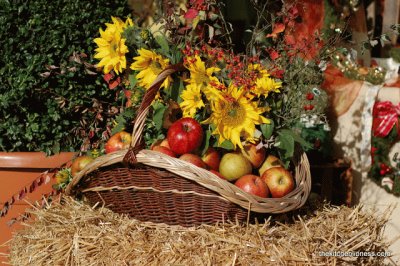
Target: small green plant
51	97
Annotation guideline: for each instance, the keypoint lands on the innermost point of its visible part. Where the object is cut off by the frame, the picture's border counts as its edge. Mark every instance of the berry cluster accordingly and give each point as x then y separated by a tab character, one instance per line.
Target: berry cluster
310	97
384	169
235	66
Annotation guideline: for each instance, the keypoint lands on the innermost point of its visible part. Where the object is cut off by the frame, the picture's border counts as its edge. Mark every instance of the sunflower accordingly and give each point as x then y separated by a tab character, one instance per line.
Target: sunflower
192	100
266	85
263	83
111	47
200	76
235	116
63	176
149	64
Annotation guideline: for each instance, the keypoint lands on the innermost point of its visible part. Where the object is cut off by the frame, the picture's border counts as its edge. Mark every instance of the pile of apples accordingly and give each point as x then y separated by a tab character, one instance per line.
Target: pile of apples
250	169
118	141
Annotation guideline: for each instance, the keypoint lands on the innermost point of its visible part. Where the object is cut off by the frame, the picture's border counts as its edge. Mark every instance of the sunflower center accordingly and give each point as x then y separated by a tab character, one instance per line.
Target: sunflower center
235	114
114	48
155	66
202	79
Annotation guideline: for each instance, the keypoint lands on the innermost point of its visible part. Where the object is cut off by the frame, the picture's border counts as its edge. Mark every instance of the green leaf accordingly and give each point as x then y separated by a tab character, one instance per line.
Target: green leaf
162	41
158	115
121	123
267	129
227	145
206	141
285	143
132	81
296	137
176	90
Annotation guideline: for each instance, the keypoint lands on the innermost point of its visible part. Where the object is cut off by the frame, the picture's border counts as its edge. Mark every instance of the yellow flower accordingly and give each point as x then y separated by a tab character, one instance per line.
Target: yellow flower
200	76
63	176
235	116
149	64
263	83
111	46
192	101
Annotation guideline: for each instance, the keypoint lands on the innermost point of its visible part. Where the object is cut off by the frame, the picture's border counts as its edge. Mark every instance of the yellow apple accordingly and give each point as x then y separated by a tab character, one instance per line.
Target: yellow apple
270	161
79	163
234	165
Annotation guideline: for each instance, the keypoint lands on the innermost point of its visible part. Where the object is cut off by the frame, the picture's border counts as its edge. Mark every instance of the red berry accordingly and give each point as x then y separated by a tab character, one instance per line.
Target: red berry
308	107
310	96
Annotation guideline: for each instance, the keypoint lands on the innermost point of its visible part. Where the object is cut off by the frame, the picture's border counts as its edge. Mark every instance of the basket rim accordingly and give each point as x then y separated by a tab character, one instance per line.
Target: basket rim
205	178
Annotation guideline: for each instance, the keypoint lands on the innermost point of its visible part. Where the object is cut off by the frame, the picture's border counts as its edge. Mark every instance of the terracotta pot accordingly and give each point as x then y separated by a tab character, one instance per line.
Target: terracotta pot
19	170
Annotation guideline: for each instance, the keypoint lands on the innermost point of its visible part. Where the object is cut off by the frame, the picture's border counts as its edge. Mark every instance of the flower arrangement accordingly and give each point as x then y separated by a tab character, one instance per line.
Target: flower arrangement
268	97
255	97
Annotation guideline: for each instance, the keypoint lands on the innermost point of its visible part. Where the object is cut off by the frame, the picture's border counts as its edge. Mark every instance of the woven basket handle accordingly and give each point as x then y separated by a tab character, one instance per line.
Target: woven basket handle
143	110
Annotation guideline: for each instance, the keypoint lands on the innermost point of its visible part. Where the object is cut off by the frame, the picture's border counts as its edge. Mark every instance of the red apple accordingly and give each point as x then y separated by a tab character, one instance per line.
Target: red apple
270	161
254	155
212	158
217	174
253	184
118	141
193	159
234	165
279	181
185	135
164	150
79	163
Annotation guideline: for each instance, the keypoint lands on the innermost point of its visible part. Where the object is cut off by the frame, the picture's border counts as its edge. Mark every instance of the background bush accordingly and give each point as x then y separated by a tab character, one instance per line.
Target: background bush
51	99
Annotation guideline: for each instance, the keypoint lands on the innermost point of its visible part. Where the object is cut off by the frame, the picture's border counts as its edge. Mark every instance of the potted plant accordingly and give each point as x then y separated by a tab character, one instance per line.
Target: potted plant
52	101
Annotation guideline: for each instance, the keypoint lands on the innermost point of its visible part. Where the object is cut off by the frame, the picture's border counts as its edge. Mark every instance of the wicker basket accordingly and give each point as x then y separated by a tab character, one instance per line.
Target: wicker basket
151	186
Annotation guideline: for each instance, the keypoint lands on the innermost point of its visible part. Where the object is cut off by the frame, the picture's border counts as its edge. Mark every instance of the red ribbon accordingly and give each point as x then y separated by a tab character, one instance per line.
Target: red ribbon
386	116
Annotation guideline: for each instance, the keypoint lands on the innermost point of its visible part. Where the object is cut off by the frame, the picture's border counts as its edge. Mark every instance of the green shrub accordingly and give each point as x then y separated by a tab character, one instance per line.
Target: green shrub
50	95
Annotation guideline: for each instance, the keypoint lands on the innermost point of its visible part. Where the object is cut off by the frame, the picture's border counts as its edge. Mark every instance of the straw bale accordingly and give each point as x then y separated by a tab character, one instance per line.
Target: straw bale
72	233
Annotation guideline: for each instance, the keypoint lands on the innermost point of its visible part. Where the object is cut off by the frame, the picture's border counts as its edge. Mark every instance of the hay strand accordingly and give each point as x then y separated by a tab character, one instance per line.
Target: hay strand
73	233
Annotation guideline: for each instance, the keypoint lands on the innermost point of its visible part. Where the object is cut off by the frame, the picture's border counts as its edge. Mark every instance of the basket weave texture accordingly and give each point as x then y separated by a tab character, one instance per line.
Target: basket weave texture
151	186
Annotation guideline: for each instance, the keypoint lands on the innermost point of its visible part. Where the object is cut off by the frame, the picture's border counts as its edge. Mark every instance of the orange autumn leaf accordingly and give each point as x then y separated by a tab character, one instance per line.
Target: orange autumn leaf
278	28
273	54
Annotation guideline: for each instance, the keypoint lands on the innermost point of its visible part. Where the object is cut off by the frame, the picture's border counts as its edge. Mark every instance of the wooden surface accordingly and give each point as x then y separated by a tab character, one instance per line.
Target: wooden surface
333	182
19	170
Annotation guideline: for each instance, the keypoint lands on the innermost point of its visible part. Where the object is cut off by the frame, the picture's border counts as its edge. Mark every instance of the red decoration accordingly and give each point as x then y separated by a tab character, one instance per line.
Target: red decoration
386	116
373	150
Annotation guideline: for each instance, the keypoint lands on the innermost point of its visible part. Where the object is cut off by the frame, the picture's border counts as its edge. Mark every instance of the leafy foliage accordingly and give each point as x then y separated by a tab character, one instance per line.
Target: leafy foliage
51	98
